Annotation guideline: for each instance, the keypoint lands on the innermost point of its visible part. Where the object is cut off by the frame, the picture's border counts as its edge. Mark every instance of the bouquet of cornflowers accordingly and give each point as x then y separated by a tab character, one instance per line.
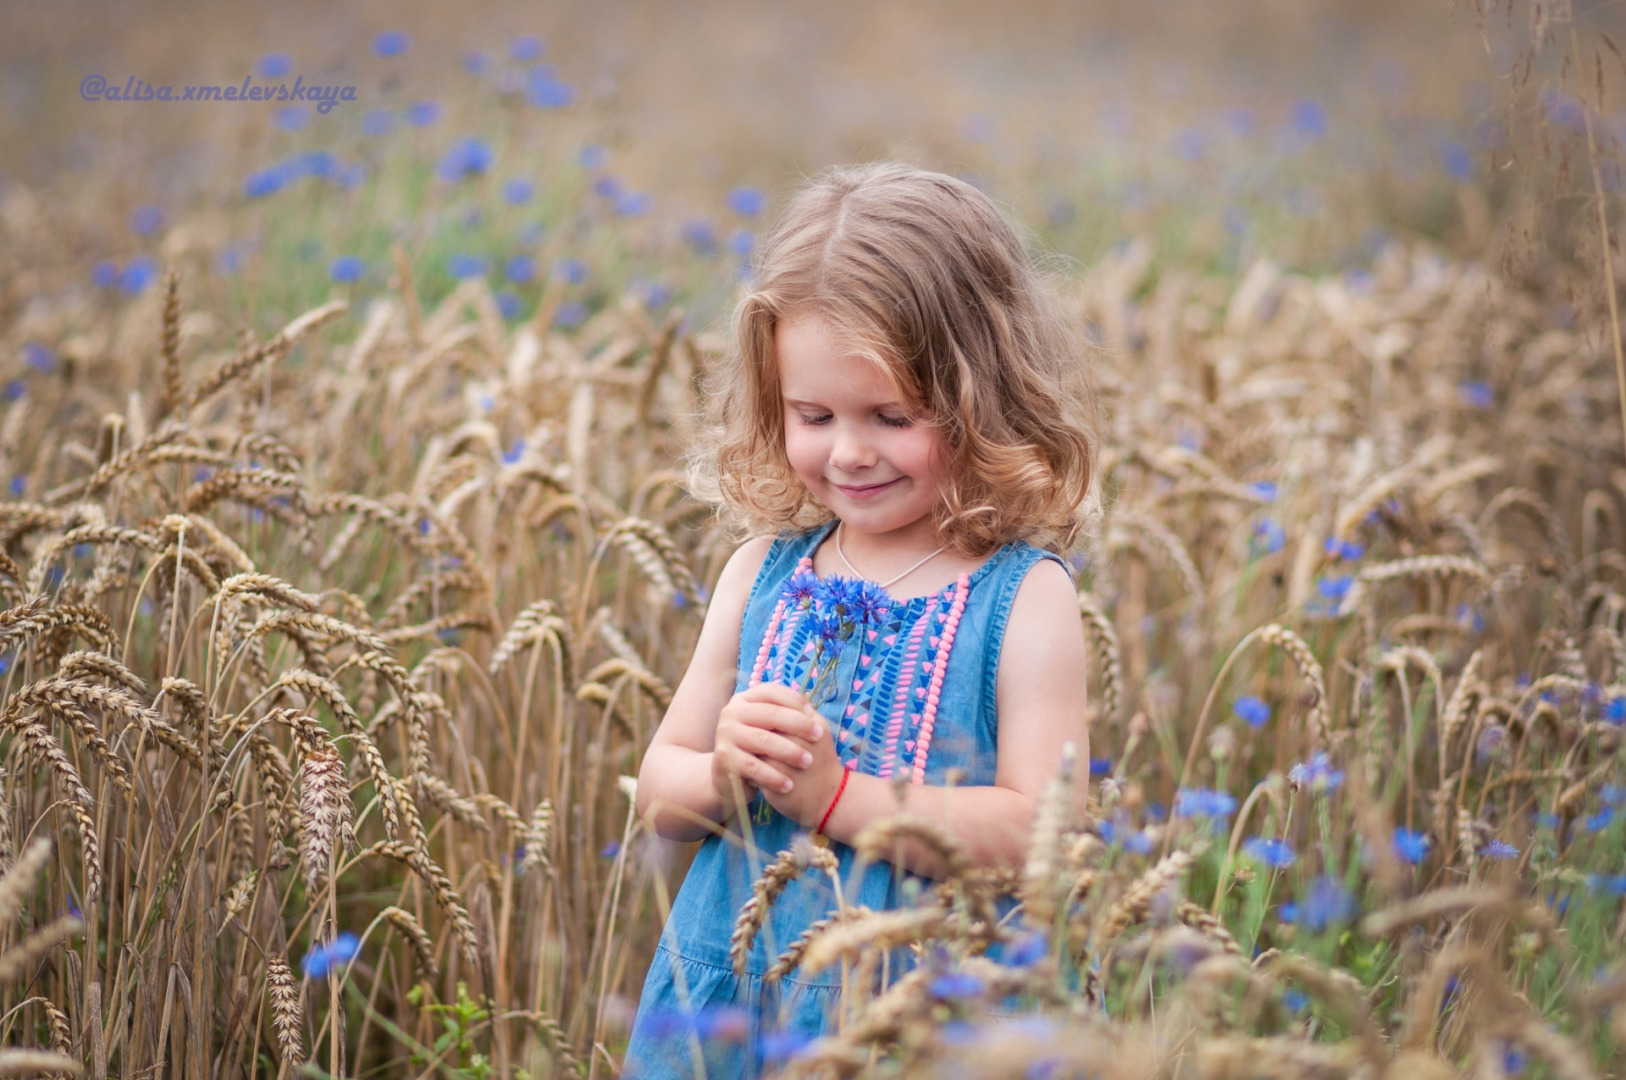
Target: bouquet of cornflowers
838	606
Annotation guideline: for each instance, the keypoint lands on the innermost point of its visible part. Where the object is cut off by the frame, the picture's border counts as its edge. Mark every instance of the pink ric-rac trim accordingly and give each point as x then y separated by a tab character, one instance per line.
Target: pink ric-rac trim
767	643
901	698
790	626
934	692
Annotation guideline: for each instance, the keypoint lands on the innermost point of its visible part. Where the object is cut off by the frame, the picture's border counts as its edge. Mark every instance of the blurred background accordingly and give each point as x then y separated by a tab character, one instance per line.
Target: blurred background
1295	129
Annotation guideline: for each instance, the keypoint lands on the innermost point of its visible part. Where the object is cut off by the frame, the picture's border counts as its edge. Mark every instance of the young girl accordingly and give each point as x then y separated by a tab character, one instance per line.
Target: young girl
904	407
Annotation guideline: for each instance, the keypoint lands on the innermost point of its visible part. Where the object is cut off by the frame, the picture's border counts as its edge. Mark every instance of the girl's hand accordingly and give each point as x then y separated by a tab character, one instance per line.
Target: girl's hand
816	782
765	737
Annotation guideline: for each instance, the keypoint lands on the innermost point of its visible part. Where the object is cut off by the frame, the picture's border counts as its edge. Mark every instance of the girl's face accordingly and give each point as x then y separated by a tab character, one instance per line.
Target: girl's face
853	441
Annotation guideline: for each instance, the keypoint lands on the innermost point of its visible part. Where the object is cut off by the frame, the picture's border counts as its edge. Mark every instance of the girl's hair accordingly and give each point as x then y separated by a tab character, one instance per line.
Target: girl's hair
921	274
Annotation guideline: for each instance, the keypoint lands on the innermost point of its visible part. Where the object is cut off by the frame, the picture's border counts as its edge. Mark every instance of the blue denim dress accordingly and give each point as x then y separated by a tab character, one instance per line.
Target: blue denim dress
900	709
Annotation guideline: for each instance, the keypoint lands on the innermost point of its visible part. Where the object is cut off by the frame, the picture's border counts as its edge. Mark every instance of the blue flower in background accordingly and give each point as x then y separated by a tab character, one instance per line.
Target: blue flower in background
1600	821
571	314
105	274
1309	118
741	241
1276	854
955	985
463	265
1288	912
423	113
611	850
1270	536
607	186
1328	902
138	274
1410	846
1334	586
514	452
1564	110
592	156
632	203
391	43
275	65
570	271
1264	489
517	192
476	62
777	1046
546	92
346	268
1499	849
291	118
520	269
1139	843
465	158
1202	802
1100	766
1477	395
145	220
525	47
1317	774
377	122
1343	549
324	958
747	201
1457	162
1295	1000
1253	711
1612	795
1028	951
15	389
701	236
19	484
39	358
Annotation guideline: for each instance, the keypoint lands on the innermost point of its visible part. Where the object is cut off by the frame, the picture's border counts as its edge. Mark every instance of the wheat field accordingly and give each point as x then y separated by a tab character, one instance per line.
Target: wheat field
335	624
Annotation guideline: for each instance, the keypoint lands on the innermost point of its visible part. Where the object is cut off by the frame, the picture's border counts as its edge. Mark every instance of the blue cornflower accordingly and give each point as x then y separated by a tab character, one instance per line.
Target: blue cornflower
746	201
463	265
15	389
137	274
1456	160
391	43
780	1046
592	156
423	113
1343	549
1514	1060
144	220
570	314
1614	711
546	92
1269	535
611	850
1317	774
476	62
1605	883
1612	795
324	958
1334	587
1295	1000
741	241
520	269
827	625
1254	711
607	186
275	65
1100	766
633	203
1139	843
1201	802
517	192
465	158
1328	902
1028	951
1274	853
377	122
1599	821
1499	849
512	455
570	271
39	358
18	485
1288	912
1265	489
1310	118
346	268
955	984
1410	846
801	587
701	235
525	47
105	274
1477	395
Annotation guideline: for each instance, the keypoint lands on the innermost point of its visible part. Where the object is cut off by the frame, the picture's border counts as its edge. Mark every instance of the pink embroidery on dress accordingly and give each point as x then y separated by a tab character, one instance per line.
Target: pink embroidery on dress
935	690
767	643
901	698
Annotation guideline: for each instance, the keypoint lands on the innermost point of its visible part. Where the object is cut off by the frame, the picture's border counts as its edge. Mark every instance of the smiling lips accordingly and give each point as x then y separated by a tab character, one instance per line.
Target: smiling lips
868	490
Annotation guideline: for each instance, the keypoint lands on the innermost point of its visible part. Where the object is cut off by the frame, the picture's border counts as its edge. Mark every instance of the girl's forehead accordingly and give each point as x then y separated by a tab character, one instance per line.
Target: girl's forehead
813	357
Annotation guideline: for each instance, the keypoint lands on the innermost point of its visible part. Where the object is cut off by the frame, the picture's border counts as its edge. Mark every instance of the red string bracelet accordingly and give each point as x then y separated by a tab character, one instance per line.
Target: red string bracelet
825	820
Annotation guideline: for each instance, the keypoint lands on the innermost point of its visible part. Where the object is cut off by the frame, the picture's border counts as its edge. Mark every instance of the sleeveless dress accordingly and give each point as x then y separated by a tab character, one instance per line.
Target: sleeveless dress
900	709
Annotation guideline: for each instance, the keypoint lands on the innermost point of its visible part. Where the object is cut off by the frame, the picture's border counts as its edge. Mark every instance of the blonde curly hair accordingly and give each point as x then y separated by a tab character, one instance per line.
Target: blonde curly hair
921	274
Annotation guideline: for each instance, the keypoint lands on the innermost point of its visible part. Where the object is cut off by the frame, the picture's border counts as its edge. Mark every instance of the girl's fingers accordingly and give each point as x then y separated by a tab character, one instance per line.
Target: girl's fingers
781	748
803	725
764	775
779	694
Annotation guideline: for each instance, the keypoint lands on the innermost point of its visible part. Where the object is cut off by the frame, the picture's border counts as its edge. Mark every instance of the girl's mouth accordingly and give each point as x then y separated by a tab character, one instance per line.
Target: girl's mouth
867	491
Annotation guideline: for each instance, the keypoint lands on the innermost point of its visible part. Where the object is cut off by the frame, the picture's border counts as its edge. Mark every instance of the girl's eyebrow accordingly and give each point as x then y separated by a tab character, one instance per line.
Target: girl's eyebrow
815	405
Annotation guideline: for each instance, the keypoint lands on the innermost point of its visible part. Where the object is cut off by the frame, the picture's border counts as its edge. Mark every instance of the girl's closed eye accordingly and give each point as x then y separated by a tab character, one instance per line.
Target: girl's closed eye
889	421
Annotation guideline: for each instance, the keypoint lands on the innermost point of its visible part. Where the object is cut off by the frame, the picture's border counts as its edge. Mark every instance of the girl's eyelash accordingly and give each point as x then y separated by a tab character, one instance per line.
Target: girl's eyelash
889	421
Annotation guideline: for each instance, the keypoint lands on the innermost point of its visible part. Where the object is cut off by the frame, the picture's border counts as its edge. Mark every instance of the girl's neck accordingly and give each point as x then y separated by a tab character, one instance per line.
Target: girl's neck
880	558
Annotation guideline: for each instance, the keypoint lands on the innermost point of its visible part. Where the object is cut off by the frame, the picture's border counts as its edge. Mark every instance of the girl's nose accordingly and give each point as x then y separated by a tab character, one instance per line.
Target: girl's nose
851	451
